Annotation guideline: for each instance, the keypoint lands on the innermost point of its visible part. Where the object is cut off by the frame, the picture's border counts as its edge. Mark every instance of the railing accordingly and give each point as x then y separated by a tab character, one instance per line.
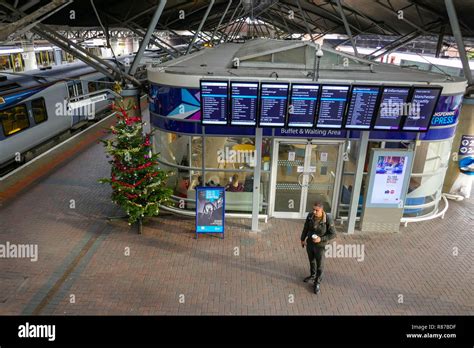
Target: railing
431	216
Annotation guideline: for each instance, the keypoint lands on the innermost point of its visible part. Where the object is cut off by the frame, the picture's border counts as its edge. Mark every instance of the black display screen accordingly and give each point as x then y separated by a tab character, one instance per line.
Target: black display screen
423	105
303	102
393	106
243	99
332	106
214	102
362	107
273	104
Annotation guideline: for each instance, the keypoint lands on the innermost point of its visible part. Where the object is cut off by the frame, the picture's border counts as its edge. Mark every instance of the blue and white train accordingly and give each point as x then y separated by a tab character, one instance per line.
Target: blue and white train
34	108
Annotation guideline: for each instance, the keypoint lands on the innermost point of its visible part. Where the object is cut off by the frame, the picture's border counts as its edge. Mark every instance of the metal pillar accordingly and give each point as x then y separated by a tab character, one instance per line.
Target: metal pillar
348	28
200	26
256	178
230	21
220	21
439	45
364	141
146	38
304	20
453	20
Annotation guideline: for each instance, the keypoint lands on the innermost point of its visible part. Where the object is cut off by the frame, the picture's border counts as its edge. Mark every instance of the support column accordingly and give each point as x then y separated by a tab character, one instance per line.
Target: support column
256	178
364	141
347	27
29	56
200	26
453	20
146	38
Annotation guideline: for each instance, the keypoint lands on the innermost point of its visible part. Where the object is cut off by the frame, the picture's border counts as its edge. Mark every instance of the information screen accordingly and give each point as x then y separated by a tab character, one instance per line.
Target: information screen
214	104
273	104
423	105
362	107
243	98
332	106
393	106
303	101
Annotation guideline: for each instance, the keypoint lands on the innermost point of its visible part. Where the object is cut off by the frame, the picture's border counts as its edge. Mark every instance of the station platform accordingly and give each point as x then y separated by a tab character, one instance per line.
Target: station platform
84	267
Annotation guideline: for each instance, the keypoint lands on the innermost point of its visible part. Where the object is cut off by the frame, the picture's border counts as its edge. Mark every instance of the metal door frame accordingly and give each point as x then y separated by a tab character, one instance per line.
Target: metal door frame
304	189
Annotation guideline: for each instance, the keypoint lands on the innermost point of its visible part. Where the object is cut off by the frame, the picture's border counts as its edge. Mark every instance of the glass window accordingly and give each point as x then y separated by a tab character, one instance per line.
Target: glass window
426	182
39	110
14	119
79	88
5	63
92	86
70	89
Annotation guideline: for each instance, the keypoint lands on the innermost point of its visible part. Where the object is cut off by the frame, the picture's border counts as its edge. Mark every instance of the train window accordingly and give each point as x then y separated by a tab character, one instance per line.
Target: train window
5	63
70	89
14	119
79	88
92	86
39	110
74	89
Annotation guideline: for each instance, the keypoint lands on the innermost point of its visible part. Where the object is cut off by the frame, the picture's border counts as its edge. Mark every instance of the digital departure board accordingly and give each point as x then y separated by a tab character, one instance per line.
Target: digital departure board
214	103
332	105
393	106
362	107
243	99
273	104
303	102
423	105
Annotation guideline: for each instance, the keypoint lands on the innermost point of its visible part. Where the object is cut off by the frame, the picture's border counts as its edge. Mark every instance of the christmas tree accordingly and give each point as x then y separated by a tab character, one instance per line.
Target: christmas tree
138	184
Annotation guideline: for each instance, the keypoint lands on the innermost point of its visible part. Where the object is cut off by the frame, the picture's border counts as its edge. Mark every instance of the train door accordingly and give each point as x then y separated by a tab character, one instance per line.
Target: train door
74	89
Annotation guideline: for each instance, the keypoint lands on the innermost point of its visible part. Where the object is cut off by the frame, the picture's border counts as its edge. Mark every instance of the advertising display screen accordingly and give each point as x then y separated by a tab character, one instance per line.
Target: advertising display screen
362	107
423	105
273	104
243	99
388	183
332	106
393	106
210	209
214	102
303	102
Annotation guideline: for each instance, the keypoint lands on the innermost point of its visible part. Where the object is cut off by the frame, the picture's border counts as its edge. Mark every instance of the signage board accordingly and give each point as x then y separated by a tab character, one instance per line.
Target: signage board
332	106
244	101
303	103
273	104
389	176
210	210
393	106
214	102
363	105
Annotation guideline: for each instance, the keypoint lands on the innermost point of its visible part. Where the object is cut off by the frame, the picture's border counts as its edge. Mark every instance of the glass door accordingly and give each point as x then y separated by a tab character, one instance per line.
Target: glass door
323	166
303	173
289	179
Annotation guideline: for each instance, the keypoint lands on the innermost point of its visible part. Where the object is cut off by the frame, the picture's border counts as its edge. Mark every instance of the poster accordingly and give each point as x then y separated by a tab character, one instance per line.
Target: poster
389	177
291	156
210	209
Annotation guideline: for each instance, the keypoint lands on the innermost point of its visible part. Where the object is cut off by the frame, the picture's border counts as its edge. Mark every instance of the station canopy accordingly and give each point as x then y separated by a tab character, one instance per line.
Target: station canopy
379	17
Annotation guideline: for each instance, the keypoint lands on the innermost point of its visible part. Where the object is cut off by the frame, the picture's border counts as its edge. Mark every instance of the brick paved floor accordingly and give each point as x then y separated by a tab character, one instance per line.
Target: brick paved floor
82	258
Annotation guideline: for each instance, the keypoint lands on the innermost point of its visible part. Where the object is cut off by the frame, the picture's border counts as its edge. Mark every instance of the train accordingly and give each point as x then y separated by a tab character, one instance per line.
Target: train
35	112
